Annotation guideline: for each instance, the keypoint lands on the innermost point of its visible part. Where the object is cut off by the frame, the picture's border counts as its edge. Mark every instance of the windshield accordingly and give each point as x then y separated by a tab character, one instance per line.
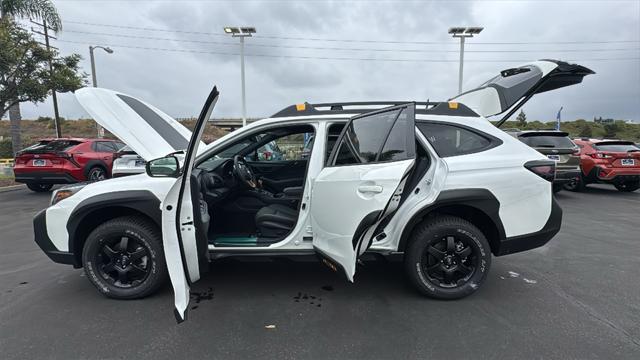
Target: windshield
616	147
548	141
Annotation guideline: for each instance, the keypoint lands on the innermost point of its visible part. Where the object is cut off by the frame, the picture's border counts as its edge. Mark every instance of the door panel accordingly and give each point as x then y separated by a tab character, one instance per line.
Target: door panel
184	236
374	155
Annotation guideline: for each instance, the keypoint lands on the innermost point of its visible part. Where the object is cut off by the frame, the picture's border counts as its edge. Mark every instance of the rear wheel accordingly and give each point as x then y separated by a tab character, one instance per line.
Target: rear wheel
97	173
124	259
628	186
576	186
39	187
447	258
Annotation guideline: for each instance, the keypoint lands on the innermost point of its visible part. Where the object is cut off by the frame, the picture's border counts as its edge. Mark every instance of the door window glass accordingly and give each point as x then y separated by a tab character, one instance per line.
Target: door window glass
363	139
451	140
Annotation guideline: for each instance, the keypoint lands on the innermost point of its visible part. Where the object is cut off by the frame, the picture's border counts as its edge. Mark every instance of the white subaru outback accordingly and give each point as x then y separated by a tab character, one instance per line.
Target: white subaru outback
436	182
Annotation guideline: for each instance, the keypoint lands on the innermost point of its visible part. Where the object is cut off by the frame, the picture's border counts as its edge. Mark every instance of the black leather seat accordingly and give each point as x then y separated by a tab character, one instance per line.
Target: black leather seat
276	220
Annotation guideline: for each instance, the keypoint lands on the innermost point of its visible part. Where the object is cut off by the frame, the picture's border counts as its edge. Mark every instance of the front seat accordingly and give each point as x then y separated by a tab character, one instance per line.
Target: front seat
275	220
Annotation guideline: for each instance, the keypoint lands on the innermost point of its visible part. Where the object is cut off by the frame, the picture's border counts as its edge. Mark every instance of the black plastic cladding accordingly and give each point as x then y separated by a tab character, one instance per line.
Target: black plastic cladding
431	108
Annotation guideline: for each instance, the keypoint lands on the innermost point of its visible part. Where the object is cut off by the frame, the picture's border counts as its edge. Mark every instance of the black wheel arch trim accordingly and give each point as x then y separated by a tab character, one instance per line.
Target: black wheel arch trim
142	201
479	199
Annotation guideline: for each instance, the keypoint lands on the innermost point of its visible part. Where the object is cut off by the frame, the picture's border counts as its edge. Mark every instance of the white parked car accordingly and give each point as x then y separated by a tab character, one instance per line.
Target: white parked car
127	162
436	182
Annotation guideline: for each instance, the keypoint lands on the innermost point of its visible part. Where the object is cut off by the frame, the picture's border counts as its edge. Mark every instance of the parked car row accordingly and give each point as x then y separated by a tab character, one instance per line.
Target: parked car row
53	161
584	161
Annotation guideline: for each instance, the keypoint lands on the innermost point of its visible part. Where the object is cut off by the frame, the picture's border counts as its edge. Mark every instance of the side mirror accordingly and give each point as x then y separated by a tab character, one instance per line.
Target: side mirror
167	166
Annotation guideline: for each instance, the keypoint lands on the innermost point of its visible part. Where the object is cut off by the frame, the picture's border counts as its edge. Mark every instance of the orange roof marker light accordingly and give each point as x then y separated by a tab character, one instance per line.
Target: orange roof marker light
453	105
301	107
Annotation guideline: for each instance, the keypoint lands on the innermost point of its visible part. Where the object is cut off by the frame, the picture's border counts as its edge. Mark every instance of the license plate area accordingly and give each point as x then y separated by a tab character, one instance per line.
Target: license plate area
554	157
628	162
39	162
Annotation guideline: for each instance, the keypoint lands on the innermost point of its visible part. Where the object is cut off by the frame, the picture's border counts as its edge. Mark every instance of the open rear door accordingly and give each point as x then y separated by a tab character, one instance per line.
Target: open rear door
362	184
185	222
509	90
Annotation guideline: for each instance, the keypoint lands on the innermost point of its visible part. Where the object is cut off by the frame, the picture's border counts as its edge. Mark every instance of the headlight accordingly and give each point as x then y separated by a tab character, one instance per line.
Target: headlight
65	192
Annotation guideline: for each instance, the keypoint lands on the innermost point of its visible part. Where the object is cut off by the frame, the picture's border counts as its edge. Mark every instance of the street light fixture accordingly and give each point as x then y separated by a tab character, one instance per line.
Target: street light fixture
93	76
241	32
463	33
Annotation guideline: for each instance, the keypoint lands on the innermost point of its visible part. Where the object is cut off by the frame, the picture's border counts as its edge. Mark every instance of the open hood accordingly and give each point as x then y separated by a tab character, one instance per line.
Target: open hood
512	88
148	131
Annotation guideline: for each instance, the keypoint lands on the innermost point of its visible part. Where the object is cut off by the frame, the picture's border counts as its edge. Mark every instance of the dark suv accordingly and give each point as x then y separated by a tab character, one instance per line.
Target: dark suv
557	146
64	161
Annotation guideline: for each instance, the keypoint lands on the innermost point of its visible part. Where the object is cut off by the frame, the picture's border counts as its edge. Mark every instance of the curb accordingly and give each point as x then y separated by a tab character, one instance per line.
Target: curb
12	188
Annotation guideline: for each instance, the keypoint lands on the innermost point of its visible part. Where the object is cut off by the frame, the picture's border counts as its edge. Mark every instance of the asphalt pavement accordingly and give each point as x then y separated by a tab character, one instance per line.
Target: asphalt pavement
576	298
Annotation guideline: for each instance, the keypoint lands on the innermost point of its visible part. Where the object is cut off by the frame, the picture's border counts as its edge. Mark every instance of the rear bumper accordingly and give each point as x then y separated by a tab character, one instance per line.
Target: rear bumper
45	243
618	174
45	177
566	176
539	238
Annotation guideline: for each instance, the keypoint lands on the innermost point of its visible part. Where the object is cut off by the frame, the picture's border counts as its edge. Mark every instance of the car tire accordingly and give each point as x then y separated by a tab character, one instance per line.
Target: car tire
125	269
629	186
97	173
39	187
458	269
576	186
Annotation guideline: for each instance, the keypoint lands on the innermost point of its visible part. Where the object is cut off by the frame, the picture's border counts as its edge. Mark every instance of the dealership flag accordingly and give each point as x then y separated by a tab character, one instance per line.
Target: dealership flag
558	119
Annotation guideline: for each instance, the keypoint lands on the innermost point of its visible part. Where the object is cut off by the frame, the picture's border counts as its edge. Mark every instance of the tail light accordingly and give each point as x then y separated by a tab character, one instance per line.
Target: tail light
544	169
599	155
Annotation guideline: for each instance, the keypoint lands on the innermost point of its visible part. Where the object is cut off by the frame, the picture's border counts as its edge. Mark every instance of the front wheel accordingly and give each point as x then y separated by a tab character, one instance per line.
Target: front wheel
124	259
39	187
447	258
629	186
576	185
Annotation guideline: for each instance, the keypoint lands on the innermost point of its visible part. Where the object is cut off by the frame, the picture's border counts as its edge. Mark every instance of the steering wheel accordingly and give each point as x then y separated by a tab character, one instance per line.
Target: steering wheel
243	172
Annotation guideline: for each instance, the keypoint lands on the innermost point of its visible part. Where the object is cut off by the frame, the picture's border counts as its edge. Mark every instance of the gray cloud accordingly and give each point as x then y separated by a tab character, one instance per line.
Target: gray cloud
178	82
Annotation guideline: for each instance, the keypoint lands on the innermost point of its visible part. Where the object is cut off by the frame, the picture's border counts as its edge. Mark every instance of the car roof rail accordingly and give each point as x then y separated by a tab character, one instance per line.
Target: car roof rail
360	107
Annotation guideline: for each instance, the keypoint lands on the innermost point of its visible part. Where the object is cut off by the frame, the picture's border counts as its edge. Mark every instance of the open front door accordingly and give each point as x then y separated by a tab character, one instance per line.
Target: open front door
185	222
512	88
362	184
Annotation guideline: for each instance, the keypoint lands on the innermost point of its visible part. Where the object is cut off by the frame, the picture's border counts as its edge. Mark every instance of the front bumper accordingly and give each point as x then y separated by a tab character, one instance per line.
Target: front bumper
45	243
539	238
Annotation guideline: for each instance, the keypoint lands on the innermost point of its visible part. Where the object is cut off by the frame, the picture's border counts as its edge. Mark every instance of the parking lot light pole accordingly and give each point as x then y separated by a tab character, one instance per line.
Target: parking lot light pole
462	33
93	76
241	32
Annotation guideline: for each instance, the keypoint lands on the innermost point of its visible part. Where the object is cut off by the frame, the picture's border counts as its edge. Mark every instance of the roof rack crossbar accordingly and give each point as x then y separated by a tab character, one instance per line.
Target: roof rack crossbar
360	107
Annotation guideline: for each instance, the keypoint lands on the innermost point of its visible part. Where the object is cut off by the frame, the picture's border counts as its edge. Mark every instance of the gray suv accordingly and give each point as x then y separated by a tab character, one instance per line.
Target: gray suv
557	146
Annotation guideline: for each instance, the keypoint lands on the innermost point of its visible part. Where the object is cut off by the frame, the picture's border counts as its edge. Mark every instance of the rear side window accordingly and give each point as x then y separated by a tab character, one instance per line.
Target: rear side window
613	147
451	140
104	146
380	137
59	145
547	141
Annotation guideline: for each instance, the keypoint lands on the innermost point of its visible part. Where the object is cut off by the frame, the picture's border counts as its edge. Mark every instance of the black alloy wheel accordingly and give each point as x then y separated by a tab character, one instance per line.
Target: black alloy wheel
450	261
123	261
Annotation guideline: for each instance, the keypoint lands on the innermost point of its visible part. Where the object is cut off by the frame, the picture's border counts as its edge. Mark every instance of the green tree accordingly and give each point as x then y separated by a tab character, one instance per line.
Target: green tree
610	131
585	131
521	119
25	74
33	9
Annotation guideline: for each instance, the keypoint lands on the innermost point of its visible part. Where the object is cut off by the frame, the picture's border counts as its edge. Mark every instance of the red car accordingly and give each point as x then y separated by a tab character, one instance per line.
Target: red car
614	162
65	161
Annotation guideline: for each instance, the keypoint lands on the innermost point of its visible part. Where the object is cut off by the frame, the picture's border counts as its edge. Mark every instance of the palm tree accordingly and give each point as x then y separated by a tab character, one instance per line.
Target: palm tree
34	9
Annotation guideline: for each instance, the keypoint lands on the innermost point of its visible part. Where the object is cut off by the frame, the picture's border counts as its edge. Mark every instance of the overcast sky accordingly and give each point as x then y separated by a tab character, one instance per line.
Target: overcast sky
178	81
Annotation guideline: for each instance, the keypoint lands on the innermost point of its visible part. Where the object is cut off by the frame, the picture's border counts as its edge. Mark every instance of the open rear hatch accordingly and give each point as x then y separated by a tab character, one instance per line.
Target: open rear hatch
512	88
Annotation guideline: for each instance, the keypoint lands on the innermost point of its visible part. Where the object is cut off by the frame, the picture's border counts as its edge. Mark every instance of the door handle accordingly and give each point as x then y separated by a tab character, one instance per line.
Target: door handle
370	189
